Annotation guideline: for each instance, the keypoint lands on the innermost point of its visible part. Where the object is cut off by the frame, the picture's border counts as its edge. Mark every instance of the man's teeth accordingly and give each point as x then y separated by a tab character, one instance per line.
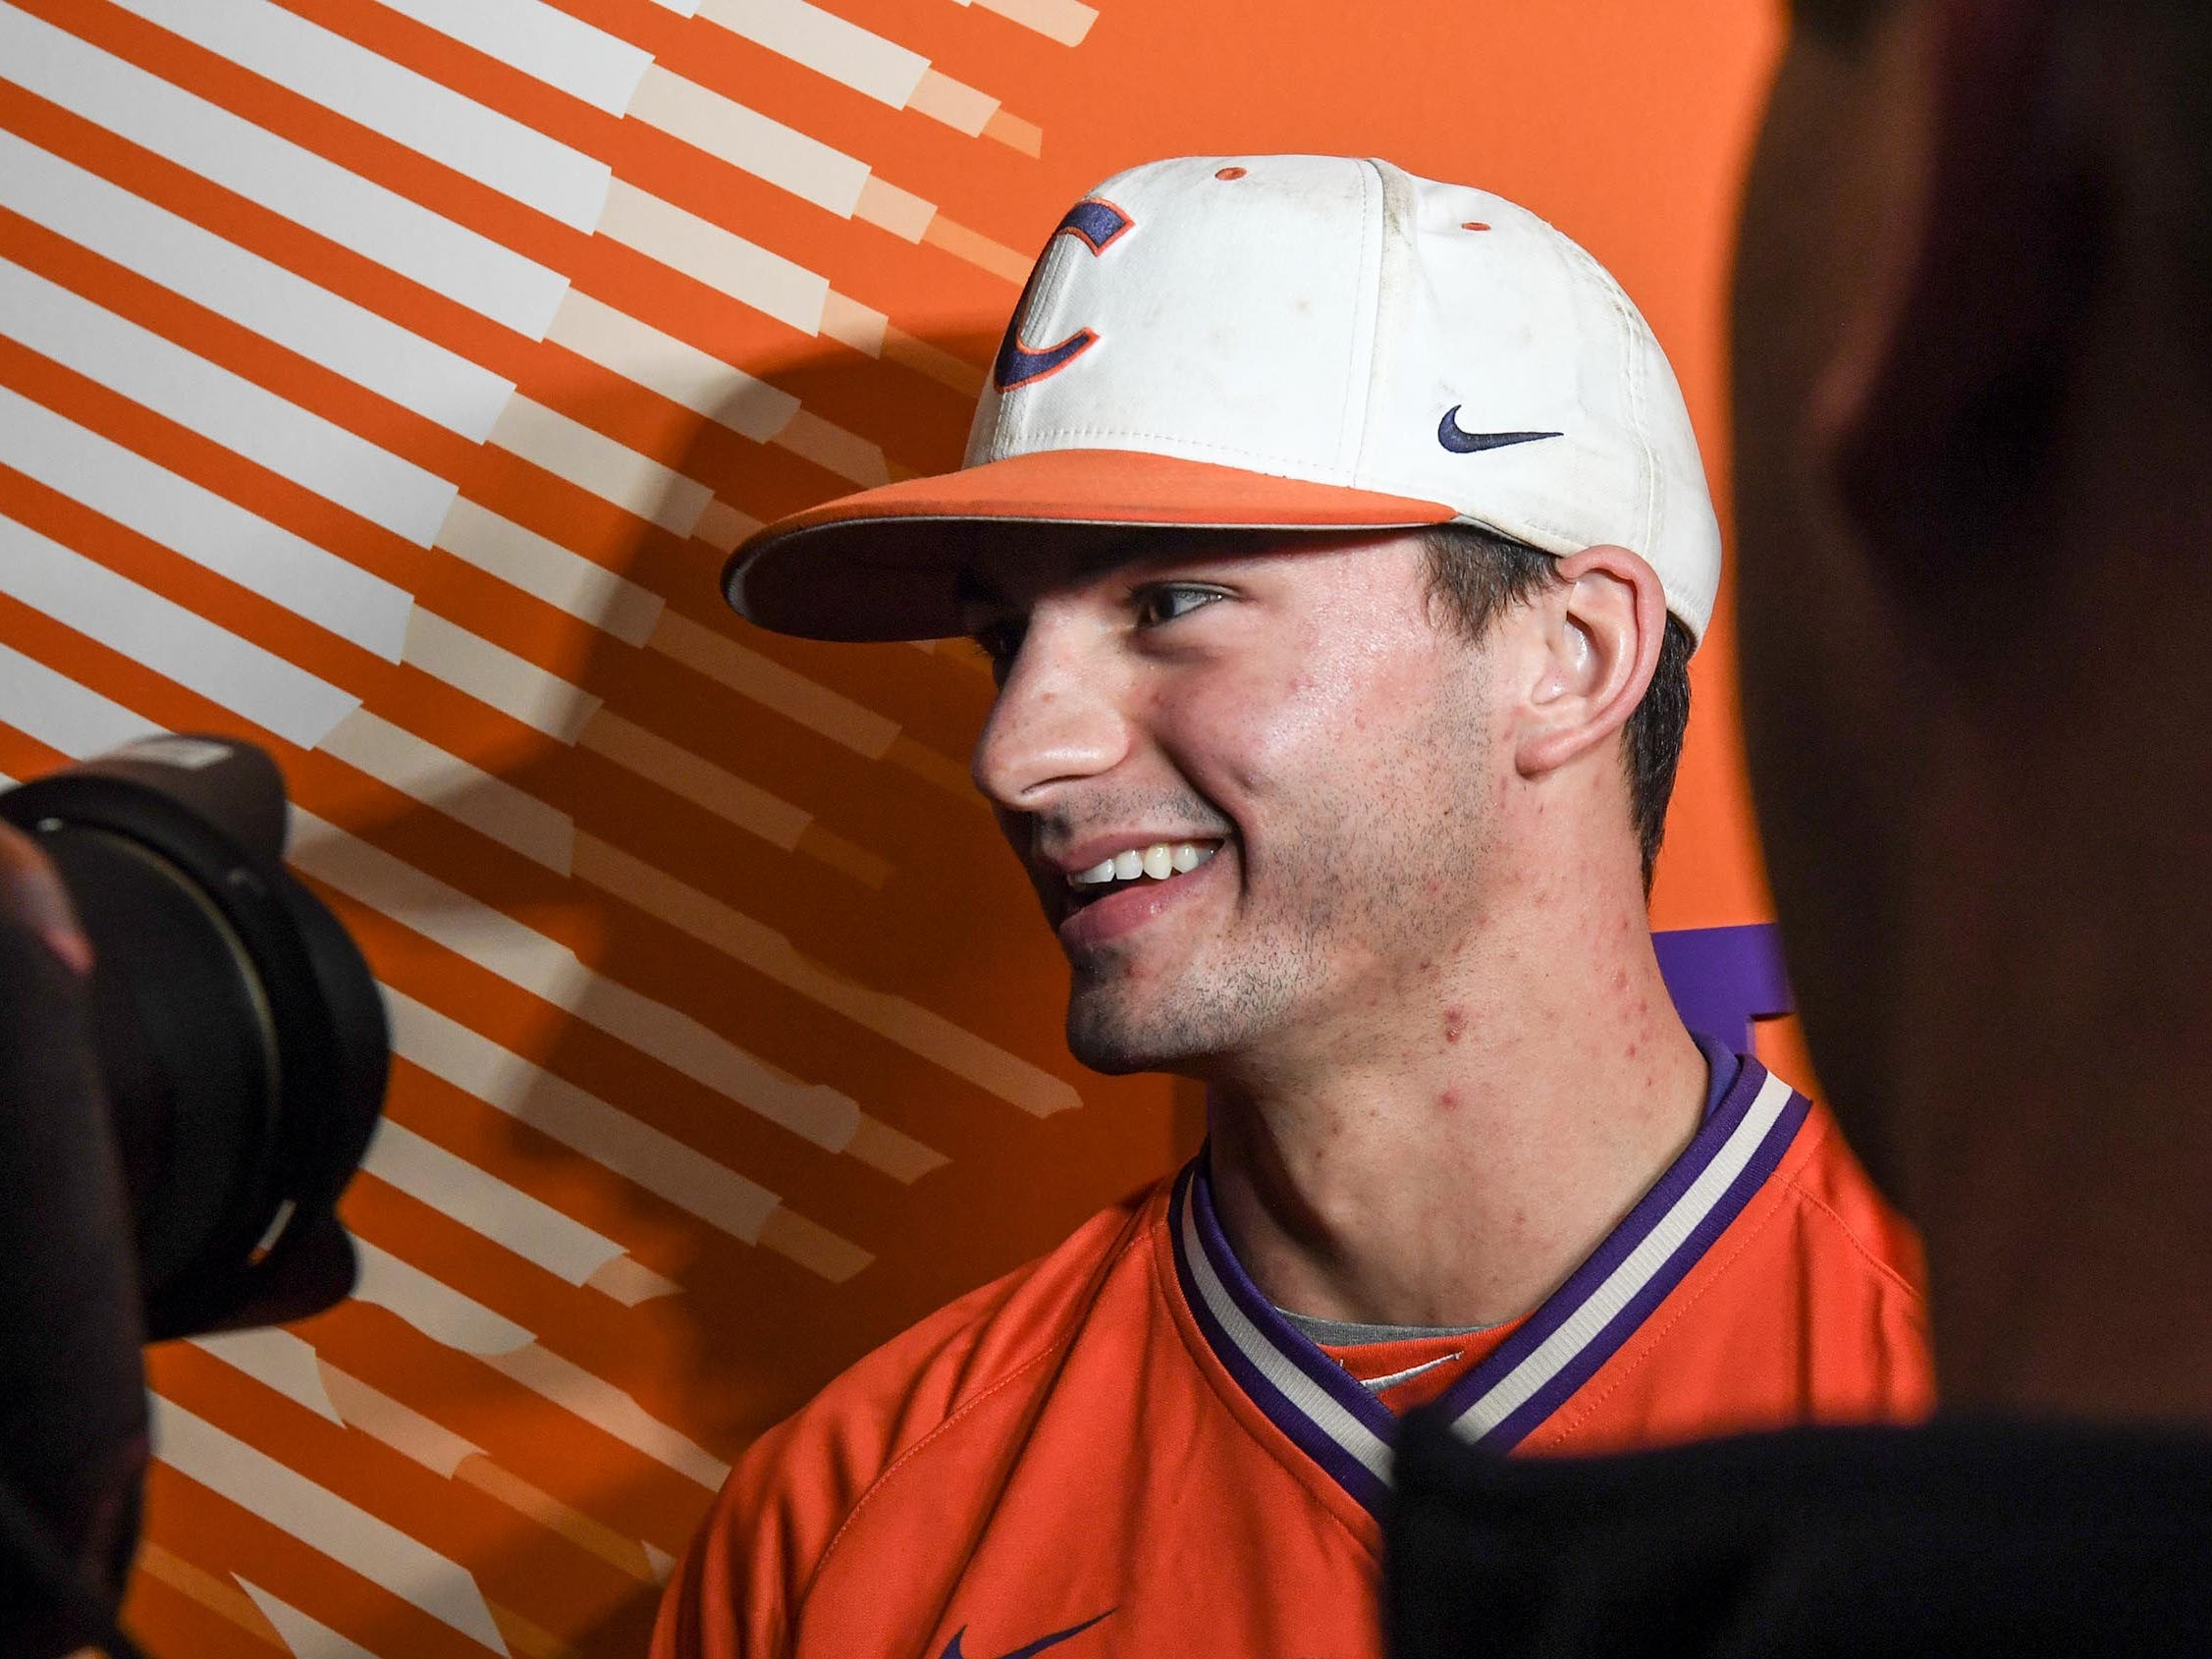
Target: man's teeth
1159	861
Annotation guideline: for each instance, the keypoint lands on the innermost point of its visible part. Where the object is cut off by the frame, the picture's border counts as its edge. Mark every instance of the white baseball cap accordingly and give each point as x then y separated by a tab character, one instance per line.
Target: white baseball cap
1284	342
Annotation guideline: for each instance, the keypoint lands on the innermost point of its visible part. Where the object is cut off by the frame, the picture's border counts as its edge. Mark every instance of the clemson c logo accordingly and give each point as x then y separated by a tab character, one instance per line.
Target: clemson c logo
1099	224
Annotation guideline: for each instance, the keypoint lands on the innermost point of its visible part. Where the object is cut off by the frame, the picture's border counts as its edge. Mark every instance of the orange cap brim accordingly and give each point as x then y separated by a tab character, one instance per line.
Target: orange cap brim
885	564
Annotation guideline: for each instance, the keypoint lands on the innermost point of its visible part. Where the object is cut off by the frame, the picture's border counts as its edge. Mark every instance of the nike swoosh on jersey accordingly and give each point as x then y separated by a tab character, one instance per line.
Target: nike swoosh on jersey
1461	443
953	1647
1379	1384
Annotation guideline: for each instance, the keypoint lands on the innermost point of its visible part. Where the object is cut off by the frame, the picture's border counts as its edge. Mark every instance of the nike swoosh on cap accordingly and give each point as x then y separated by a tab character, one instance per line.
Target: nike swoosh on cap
1460	442
953	1647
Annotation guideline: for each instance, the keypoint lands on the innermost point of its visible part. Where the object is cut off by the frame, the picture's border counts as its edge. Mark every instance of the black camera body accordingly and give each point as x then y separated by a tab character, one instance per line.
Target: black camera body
175	1129
237	1029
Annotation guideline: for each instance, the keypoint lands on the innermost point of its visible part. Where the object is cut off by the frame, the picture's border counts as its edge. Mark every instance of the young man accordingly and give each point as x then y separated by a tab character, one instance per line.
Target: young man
1341	540
1974	417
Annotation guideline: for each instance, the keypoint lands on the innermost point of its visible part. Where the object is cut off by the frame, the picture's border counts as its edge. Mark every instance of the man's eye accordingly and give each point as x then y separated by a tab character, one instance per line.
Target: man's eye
1165	603
997	641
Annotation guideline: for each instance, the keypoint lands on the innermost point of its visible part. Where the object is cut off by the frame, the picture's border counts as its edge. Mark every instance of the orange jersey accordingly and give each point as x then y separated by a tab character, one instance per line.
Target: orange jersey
1124	1449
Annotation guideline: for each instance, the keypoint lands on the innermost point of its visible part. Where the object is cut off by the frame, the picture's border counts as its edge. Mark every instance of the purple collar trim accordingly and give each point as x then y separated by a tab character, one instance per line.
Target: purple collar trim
1582	1324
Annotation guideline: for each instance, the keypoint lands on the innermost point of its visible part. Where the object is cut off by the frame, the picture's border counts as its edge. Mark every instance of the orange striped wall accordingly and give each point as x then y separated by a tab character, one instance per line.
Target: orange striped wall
384	382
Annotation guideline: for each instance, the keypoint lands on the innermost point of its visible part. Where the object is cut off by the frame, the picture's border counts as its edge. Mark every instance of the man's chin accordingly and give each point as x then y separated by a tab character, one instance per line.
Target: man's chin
1110	1048
1118	1040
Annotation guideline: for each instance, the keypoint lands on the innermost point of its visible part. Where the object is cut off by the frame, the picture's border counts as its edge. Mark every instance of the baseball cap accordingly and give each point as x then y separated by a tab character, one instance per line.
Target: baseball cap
1285	342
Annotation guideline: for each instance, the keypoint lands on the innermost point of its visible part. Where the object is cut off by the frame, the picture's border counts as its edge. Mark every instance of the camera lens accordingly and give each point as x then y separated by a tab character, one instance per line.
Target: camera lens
238	1030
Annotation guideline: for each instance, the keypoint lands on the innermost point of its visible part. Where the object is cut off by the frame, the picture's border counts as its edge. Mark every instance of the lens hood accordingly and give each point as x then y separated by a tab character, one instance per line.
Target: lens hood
239	1034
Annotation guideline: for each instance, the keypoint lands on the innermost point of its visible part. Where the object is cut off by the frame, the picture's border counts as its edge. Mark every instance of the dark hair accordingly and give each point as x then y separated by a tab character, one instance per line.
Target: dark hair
1479	573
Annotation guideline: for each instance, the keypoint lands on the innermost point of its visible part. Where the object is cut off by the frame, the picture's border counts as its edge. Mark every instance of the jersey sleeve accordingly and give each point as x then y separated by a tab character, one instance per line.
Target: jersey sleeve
741	1589
741	1586
1869	1312
730	1594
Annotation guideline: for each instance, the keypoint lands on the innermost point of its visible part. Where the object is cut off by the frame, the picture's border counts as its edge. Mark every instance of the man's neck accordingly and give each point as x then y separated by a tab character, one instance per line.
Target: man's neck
1486	1130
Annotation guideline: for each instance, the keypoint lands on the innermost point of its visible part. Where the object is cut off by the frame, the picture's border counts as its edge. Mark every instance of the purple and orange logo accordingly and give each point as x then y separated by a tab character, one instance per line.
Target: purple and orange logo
1097	224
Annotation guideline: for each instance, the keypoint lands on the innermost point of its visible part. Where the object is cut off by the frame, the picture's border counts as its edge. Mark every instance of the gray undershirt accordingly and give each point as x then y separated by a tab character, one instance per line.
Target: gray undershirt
1344	1334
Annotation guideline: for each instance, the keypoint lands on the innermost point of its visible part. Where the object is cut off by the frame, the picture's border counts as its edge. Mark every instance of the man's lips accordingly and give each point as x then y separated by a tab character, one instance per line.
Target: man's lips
1088	925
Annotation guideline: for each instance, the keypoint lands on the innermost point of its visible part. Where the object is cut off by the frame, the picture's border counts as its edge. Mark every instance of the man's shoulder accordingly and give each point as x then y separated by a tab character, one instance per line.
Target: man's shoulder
1805	1305
1844	1214
975	1346
1824	1284
946	1397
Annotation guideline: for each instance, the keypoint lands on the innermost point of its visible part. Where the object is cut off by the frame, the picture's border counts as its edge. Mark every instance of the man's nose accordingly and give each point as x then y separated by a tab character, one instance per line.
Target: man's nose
1058	721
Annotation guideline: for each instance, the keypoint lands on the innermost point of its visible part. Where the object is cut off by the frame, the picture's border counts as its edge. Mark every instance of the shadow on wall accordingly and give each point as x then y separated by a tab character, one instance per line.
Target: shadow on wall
811	1013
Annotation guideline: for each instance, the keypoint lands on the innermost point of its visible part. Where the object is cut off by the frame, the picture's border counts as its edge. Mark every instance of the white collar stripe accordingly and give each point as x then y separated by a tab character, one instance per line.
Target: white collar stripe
1333	1418
1577	1335
1303	1396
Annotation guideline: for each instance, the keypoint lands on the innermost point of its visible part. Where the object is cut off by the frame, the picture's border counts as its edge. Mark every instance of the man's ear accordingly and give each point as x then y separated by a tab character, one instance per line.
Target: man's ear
1937	414
1601	629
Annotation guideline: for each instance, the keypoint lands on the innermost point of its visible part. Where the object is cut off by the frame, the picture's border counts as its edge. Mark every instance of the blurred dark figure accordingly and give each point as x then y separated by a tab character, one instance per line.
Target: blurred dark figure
73	1404
1974	384
193	1060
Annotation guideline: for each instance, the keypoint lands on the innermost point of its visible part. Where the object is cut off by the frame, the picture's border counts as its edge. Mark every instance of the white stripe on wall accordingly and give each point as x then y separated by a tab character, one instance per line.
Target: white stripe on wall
446	1315
342	1530
592	460
1064	20
675	769
496	677
204	526
67	716
633	1150
920	1030
61	713
386	97
308	1639
484	1204
767	681
546	967
403	1428
722	260
446	784
434	1308
545	569
675	368
748	141
347	339
259	686
611	1409
381	225
543	43
169	639
226	408
825	43
276	1359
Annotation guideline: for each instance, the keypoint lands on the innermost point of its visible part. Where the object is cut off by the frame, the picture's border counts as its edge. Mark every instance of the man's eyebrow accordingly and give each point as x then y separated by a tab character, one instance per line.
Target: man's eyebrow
1148	545
1154	545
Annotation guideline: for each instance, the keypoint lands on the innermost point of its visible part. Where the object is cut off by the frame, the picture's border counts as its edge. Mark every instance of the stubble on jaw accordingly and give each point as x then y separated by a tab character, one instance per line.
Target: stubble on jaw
1354	893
